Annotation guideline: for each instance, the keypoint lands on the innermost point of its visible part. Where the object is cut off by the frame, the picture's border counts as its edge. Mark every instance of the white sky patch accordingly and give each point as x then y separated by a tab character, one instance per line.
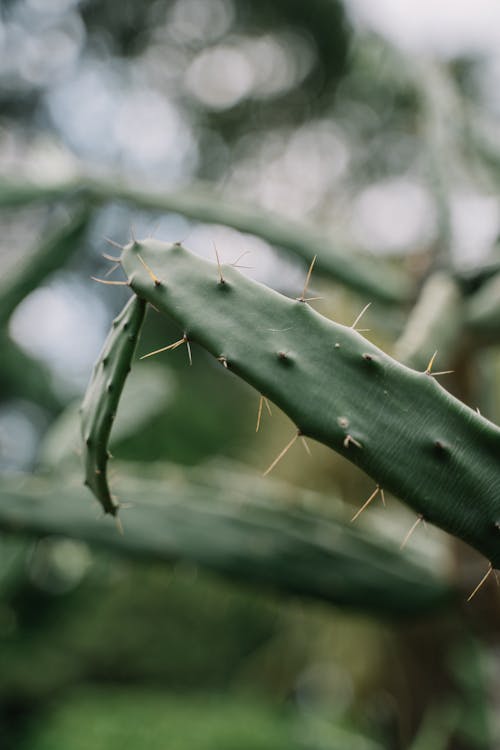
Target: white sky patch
476	226
445	28
106	119
220	77
85	106
192	21
389	216
150	129
18	437
64	325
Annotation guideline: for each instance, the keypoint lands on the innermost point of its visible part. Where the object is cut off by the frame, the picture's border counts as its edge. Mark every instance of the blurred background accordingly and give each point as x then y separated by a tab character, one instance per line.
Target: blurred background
372	124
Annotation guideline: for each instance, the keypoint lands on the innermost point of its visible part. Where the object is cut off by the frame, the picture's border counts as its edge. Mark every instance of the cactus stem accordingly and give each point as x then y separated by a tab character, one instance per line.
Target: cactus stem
111	283
181	341
367	502
481	582
420	518
302	297
282	453
154	277
365	308
396	440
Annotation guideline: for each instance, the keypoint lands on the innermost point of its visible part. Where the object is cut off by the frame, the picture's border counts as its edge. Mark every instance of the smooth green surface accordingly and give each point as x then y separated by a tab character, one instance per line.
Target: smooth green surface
400	426
102	396
127	719
239	528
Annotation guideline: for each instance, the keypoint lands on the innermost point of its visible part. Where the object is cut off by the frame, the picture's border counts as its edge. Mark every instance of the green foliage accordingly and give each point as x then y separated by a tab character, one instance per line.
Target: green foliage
247	535
127	719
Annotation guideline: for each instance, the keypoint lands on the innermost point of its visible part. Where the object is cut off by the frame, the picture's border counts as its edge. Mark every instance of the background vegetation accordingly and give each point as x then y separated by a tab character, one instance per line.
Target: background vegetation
246	622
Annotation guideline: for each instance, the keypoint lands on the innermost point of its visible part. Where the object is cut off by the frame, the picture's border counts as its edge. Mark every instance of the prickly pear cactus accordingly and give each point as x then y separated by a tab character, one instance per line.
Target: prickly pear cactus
398	425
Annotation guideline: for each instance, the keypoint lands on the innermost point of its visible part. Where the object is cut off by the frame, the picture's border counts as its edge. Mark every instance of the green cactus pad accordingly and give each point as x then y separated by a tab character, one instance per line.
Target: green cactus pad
398	425
225	524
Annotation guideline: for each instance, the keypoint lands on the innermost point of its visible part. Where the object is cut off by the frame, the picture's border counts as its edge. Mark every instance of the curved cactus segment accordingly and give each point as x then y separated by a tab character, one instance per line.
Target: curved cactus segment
102	396
398	425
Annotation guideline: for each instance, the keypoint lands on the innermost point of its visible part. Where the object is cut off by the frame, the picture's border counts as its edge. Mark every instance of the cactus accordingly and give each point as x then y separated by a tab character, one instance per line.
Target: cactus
101	400
260	540
398	425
